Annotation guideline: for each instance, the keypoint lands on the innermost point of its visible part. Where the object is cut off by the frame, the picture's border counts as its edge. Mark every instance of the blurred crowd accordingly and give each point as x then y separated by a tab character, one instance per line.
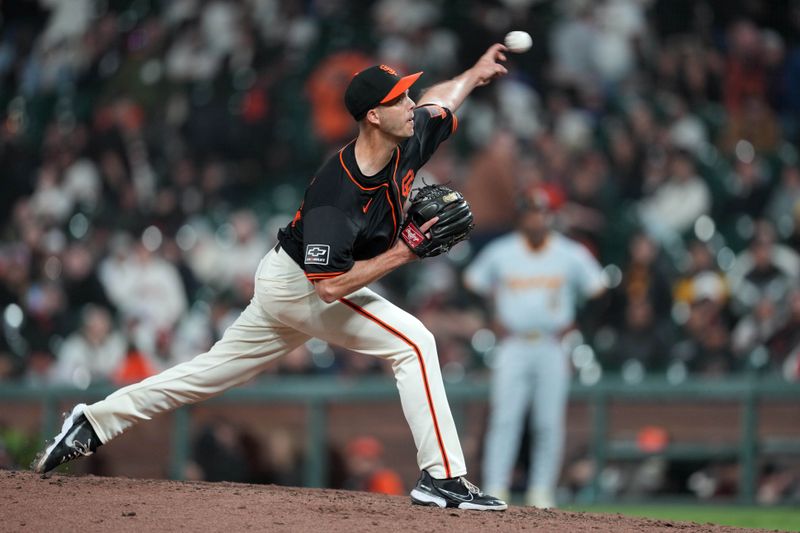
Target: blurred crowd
225	451
150	150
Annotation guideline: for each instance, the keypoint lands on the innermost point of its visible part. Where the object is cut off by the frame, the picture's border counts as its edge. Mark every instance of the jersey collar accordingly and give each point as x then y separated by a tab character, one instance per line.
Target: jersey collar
537	249
348	159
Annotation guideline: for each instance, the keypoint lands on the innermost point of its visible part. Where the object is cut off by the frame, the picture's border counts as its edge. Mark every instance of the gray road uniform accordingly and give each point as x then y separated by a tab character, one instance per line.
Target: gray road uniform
534	293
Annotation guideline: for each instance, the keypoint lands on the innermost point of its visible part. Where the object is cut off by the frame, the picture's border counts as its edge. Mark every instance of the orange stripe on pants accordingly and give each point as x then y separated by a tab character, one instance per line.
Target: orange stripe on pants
408	341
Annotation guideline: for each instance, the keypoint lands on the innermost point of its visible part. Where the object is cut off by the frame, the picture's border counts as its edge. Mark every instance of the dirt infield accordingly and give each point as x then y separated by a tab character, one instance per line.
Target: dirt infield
87	504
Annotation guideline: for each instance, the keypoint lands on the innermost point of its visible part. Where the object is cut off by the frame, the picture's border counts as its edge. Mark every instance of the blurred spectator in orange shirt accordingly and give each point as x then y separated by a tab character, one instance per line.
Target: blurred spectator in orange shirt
332	123
745	75
364	458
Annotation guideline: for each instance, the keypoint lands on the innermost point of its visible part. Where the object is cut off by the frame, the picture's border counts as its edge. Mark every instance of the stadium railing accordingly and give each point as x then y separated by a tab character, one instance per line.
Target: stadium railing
316	393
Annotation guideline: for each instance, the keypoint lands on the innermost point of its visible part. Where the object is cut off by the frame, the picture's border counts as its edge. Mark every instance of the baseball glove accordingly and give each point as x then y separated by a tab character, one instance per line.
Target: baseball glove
453	226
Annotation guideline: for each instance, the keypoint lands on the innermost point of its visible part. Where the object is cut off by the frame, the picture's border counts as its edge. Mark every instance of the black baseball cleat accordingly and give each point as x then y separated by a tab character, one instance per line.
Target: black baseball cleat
454	492
77	438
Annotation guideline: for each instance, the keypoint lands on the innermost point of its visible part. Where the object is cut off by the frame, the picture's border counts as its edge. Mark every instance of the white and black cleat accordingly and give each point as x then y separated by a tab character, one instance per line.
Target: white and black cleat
454	492
77	439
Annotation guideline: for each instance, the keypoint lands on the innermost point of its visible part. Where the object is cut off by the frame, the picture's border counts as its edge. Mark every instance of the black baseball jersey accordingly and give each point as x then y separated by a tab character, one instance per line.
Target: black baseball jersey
347	216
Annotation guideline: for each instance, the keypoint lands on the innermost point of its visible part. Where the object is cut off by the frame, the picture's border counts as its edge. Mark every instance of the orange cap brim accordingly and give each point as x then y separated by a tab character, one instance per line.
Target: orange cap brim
401	86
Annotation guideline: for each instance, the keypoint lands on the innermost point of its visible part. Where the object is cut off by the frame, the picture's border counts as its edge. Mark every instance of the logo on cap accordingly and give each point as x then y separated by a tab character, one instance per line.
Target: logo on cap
376	85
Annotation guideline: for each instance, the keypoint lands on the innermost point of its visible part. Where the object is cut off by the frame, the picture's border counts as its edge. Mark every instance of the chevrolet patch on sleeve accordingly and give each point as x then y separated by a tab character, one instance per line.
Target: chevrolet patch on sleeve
317	254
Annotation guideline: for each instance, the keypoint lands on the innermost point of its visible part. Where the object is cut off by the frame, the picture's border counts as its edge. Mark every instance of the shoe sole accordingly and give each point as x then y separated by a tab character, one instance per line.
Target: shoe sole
476	507
42	459
423	498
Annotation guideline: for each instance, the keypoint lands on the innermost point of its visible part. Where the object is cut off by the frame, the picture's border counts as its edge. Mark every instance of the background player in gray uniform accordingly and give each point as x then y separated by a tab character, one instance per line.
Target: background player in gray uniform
534	277
343	237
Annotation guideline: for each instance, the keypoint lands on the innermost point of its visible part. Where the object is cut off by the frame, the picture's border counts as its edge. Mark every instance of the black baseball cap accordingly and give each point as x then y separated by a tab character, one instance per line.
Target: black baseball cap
374	86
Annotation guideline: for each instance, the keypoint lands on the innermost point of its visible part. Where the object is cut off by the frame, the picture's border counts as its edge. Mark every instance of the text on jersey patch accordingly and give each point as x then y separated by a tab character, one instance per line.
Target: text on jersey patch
317	254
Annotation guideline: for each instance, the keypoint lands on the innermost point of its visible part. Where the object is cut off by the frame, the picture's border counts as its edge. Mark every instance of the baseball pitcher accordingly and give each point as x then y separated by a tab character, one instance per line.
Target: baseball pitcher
349	231
534	277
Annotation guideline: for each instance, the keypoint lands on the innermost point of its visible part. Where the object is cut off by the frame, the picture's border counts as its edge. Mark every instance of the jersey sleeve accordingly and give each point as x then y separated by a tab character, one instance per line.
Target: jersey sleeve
482	275
328	237
587	274
432	125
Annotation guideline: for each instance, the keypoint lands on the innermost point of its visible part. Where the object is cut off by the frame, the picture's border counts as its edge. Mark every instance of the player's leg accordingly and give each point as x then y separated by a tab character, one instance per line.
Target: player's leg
245	348
367	323
508	402
250	343
550	394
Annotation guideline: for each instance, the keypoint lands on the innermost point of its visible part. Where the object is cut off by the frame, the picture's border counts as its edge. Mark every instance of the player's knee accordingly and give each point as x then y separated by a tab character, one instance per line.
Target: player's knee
414	341
424	340
419	341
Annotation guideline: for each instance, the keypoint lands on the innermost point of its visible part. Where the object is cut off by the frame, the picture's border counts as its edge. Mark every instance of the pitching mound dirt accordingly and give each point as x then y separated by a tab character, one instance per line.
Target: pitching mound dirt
87	504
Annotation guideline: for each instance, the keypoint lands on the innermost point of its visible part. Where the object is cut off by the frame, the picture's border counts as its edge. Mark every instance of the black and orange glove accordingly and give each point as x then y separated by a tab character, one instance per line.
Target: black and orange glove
453	226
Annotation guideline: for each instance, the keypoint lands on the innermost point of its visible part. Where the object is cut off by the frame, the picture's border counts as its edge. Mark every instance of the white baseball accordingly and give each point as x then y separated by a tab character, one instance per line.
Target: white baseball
518	41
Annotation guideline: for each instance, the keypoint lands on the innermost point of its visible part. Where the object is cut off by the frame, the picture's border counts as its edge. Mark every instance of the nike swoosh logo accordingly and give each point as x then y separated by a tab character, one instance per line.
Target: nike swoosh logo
364	209
457	496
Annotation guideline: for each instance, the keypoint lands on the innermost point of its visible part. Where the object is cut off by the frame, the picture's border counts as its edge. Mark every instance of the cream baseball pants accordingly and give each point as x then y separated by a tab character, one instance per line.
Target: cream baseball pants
284	313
